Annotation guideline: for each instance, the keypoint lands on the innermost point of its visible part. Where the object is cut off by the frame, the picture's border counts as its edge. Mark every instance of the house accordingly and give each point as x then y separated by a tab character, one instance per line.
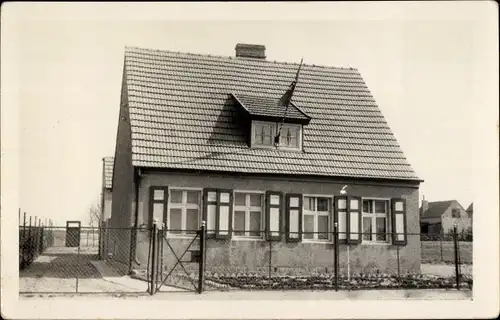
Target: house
198	139
441	216
107	188
470	212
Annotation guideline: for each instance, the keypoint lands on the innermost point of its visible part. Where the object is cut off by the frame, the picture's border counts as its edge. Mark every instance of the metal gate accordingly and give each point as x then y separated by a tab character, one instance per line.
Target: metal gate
73	233
162	249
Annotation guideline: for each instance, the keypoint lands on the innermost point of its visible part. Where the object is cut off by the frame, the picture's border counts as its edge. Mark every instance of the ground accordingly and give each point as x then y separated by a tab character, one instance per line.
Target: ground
444	252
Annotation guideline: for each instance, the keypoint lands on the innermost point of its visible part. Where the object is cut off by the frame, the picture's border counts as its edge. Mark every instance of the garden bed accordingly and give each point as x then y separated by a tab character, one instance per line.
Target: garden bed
327	282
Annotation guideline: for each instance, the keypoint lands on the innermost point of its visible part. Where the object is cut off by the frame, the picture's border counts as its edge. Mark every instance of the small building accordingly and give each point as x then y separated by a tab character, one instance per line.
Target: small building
260	150
440	217
107	188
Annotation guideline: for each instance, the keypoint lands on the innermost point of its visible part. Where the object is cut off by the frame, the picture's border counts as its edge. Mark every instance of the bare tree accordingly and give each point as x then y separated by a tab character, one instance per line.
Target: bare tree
95	211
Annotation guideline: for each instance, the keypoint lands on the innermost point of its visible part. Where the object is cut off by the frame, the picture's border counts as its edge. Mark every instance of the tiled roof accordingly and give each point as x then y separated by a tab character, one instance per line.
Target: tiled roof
436	209
108	172
262	106
182	116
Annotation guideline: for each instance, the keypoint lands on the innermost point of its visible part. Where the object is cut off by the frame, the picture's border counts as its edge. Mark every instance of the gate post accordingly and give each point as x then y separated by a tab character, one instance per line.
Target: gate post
455	242
201	271
335	255
153	258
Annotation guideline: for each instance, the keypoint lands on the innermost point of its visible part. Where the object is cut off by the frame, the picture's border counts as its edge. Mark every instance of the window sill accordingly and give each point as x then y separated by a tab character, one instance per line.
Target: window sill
374	243
241	238
317	241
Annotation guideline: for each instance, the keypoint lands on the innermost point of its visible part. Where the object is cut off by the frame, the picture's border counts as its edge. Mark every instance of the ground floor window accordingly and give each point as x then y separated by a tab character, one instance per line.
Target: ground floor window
375	220
316	217
184	211
248	214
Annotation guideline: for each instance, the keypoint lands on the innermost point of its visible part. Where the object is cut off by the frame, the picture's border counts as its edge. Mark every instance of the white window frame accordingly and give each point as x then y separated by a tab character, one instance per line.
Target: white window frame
254	138
183	206
247	209
299	136
274	131
374	216
315	215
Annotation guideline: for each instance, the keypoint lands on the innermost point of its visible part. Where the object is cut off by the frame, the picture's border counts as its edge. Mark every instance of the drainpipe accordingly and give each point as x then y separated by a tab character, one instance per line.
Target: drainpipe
133	242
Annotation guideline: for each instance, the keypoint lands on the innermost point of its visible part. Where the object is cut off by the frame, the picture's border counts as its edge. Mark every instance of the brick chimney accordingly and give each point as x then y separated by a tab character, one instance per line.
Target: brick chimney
425	205
255	51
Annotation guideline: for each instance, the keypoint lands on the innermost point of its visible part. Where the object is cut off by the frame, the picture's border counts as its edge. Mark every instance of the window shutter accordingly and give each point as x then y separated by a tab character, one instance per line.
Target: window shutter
224	214
398	218
293	217
274	204
340	216
158	205
354	217
210	211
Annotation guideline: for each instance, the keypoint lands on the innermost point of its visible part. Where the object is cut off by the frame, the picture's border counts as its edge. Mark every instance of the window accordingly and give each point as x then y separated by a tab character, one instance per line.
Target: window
316	218
264	134
289	136
375	222
184	211
248	214
455	213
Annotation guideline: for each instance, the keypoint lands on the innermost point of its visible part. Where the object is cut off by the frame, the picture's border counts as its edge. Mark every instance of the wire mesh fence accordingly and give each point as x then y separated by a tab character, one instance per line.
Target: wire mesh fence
80	260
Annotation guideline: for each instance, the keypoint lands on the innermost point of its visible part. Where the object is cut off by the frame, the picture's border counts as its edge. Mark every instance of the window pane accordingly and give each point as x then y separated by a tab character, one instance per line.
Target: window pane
158	195
193	197
224	197
294	202
342	204
192	223
354	204
267	141
308	226
255	223
211	196
367	228
274	219
308	203
381	236
323	204
158	212
399	206
380	206
255	200
239	223
275	200
323	227
175	196
175	220
211	209
239	199
367	206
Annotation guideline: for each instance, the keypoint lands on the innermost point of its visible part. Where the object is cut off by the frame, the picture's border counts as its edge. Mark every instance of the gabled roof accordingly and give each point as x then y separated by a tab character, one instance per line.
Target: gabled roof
436	209
182	116
108	172
470	208
265	108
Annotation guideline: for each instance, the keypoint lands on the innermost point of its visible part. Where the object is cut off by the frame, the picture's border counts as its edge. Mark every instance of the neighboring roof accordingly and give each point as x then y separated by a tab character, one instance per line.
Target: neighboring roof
182	116
266	107
470	208
108	172
436	209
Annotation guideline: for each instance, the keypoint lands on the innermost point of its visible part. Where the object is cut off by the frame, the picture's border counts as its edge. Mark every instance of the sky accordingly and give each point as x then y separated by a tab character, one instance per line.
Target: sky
427	75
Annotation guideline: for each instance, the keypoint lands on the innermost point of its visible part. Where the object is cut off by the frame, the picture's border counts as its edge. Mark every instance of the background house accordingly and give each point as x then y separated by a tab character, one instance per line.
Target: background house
470	212
438	215
107	188
196	141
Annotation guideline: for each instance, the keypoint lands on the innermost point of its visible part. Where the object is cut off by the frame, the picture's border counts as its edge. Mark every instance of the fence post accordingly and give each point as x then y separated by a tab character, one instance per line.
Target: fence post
201	271
441	243
153	260
455	241
270	259
335	256
30	243
399	268
23	252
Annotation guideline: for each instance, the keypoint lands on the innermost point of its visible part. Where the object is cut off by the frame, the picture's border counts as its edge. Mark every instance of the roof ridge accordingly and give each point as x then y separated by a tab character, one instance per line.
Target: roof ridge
132	48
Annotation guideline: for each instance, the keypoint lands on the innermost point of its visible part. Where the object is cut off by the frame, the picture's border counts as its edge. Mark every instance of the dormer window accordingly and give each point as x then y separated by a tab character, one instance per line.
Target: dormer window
264	132
265	116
